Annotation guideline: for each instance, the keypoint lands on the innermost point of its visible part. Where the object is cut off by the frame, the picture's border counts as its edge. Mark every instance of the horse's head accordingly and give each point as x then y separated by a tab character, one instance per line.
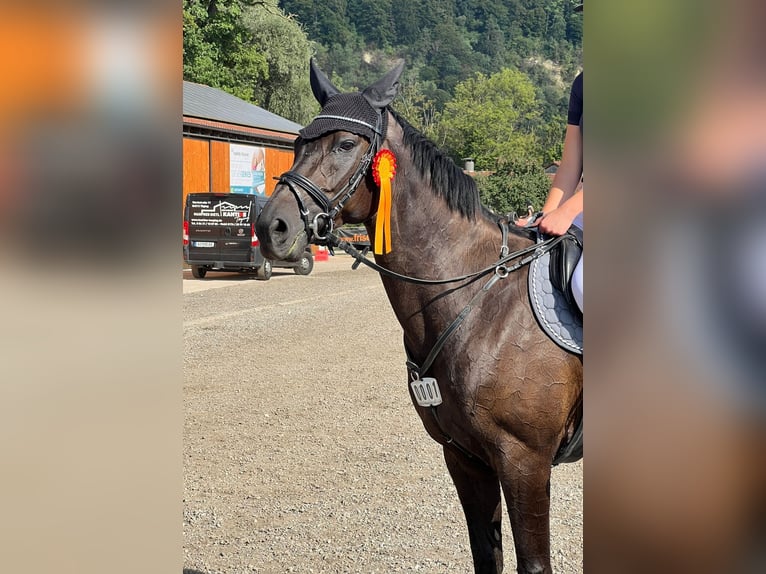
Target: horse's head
329	182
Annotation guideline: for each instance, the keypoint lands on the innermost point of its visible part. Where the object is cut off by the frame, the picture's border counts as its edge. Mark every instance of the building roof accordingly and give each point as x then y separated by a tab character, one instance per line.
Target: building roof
213	104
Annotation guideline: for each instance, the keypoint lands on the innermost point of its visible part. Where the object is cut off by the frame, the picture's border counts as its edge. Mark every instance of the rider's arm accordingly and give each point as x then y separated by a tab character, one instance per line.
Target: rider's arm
565	200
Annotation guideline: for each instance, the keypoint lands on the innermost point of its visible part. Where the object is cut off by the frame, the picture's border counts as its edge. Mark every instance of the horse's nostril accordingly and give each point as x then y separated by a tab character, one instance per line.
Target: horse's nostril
278	227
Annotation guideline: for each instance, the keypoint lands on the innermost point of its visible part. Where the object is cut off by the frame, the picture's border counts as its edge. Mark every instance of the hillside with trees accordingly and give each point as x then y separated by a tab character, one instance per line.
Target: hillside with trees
486	79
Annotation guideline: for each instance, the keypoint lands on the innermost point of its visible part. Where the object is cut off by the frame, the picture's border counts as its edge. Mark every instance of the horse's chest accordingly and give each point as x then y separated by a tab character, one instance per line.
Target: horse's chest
466	405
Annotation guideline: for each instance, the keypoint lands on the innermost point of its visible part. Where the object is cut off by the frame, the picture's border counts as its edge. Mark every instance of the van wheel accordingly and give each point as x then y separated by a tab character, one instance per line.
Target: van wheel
198	272
306	265
264	271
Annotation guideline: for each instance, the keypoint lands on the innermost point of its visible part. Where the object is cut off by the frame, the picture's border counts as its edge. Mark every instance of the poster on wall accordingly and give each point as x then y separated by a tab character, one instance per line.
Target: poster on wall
247	169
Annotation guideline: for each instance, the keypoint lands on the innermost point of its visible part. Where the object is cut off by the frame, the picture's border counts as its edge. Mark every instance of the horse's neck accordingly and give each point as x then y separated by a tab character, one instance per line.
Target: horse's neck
430	241
425	233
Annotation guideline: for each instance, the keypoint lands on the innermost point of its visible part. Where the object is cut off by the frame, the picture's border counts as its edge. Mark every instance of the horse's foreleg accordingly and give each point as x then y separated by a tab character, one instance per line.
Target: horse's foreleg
526	485
479	492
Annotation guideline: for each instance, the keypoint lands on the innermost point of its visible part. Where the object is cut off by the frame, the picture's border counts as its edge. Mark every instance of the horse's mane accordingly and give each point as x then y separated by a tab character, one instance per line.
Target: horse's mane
447	179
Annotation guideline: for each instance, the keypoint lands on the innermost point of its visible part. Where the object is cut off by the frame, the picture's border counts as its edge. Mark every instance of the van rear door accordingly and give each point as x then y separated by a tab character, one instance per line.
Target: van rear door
219	227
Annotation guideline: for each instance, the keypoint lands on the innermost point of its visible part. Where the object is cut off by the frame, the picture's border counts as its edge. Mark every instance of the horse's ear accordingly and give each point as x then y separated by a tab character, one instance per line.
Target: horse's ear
320	84
382	92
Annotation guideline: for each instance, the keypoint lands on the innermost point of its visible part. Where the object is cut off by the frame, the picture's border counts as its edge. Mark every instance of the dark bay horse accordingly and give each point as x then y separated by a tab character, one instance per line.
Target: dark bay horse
510	397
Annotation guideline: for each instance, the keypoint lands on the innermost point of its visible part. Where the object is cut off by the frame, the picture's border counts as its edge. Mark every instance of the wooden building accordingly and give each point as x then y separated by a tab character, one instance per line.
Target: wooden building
224	136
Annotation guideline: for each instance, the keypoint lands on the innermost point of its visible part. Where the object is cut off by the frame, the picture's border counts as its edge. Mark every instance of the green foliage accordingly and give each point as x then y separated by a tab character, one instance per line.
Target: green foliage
551	137
404	15
417	108
514	186
445	43
249	49
373	21
493	120
217	49
455	37
326	20
285	90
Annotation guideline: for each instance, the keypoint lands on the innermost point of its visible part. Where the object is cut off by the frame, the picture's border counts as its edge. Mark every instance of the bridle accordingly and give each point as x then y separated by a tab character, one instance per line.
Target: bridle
319	230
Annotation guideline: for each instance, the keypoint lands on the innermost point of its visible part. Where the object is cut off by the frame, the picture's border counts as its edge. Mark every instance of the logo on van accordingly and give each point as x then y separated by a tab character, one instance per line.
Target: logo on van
226	210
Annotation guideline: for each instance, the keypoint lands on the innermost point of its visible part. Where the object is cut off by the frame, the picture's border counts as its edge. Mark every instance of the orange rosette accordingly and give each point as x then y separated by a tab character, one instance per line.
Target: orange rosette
383	171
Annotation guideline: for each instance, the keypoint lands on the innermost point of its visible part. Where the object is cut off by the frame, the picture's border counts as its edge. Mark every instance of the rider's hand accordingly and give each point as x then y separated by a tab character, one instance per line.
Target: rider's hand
555	222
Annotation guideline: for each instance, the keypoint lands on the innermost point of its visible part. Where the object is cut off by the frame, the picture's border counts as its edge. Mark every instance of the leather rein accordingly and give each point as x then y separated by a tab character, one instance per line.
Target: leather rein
502	268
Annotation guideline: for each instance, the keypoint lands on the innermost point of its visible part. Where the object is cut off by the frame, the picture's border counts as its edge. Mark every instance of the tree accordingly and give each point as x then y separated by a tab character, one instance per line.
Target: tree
449	54
404	14
493	120
325	21
492	42
516	185
373	21
449	40
217	50
416	107
285	88
251	50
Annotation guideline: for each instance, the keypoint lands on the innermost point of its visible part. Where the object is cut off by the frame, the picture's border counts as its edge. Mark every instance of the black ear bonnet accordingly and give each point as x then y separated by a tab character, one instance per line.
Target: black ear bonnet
361	113
346	112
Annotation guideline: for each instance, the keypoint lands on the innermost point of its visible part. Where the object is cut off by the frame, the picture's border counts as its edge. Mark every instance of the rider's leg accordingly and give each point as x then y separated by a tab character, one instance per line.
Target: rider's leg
577	283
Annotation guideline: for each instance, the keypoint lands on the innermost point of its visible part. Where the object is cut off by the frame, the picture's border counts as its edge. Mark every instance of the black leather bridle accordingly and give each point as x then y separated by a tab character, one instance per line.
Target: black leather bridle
319	230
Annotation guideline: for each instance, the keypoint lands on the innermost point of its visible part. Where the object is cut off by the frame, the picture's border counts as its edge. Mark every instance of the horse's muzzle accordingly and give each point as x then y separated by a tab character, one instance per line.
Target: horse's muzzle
280	231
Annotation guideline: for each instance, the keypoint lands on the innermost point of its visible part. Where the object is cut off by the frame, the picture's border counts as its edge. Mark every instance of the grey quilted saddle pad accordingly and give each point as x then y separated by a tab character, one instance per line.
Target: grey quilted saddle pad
561	323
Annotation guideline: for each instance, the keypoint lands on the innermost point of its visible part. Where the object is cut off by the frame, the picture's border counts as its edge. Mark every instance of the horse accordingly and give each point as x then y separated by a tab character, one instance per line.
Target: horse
509	397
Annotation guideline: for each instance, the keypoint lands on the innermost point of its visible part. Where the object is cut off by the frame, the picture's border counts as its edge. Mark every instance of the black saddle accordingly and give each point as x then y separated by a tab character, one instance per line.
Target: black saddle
564	257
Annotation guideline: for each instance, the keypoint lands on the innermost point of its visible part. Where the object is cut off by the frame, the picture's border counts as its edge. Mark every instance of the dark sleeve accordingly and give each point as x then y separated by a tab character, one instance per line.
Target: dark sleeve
574	116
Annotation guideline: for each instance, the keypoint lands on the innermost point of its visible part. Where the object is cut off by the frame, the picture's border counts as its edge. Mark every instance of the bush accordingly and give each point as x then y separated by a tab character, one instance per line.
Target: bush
514	186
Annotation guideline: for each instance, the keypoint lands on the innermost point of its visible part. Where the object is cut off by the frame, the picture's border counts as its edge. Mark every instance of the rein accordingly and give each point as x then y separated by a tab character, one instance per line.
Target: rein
499	267
501	271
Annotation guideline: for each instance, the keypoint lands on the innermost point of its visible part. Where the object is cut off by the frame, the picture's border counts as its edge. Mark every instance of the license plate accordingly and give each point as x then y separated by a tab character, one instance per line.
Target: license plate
203	243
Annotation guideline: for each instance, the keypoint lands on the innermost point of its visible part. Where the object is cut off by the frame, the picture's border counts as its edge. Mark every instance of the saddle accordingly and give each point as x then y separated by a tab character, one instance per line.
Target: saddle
559	316
550	293
563	260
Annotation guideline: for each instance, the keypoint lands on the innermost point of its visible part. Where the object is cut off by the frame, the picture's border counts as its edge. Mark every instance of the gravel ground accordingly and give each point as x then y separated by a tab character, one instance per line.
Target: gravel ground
302	452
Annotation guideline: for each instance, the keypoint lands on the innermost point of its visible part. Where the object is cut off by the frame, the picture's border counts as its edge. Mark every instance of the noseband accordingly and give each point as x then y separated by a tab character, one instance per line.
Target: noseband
319	230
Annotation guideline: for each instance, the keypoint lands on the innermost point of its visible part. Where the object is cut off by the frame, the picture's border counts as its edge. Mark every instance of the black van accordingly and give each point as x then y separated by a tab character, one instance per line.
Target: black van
219	235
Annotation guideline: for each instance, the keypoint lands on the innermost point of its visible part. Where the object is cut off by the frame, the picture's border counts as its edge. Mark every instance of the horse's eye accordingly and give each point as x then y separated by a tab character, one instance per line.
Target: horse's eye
346	145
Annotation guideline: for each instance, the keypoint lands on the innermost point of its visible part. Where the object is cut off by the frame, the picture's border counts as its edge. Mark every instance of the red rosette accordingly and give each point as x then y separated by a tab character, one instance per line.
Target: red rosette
383	164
